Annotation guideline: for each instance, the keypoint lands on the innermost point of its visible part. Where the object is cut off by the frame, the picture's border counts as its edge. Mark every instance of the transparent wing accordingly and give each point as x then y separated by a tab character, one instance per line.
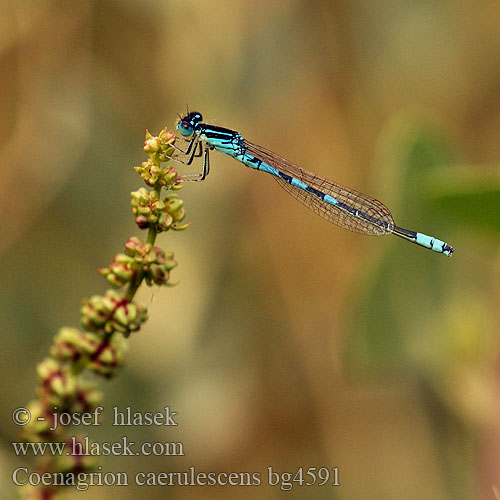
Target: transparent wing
355	212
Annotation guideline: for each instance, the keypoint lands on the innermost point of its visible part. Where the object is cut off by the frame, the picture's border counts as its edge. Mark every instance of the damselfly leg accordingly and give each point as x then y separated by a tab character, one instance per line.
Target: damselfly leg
206	165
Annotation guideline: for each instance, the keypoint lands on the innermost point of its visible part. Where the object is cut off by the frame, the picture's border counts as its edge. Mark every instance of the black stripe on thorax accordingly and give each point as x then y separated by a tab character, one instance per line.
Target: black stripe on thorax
214	132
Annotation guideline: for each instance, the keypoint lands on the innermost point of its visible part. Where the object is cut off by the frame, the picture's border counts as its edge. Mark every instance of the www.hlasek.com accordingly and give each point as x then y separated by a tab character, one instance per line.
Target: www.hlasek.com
313	476
84	447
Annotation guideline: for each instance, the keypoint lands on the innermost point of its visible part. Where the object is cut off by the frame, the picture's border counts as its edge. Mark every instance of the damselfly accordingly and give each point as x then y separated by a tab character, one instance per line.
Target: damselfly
341	205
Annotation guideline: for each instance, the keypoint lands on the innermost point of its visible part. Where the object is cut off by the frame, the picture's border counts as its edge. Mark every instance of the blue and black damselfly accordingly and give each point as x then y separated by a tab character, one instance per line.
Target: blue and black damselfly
341	205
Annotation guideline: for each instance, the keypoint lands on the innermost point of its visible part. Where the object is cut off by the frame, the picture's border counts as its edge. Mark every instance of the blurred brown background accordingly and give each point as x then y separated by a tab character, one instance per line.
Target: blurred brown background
288	342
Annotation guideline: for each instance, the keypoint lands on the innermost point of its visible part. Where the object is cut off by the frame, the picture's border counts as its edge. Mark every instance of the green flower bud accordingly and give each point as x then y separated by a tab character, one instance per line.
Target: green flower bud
153	173
144	211
111	301
134	246
167	139
112	313
152	145
152	211
57	384
93	313
69	344
160	149
121	270
171	178
155	263
141	196
109	355
165	221
174	204
125	314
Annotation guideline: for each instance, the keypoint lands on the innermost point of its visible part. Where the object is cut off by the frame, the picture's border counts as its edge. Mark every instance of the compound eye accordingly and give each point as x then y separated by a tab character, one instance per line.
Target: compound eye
185	128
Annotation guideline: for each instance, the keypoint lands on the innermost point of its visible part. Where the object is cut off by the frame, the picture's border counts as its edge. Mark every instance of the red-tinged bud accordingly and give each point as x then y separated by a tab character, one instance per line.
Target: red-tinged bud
152	145
121	271
142	222
57	385
112	313
70	344
108	355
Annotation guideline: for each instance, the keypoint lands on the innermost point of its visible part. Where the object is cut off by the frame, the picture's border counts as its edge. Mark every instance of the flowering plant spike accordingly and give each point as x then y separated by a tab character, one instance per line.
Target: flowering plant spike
107	320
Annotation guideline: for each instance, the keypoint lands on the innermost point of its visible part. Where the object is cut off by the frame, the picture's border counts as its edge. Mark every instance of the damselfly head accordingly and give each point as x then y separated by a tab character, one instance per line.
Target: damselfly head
187	124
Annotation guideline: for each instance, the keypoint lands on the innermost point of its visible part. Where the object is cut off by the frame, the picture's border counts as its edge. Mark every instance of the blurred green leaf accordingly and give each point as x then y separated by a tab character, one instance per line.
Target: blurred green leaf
406	294
468	196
